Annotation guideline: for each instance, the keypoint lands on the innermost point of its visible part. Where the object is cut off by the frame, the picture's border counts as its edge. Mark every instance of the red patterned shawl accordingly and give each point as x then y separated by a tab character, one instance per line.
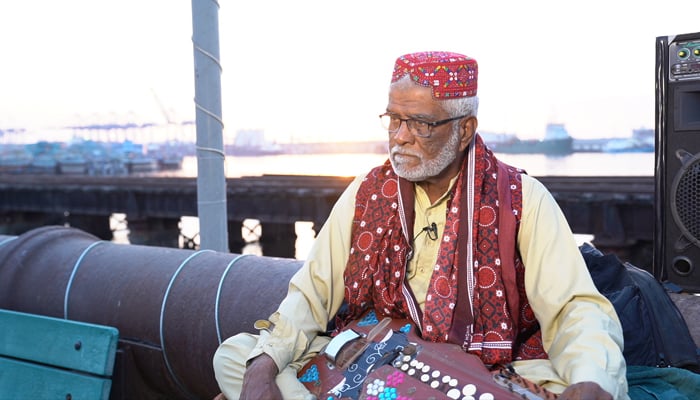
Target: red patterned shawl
469	306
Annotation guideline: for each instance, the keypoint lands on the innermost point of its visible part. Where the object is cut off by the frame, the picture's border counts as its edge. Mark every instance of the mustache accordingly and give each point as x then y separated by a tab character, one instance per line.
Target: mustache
396	149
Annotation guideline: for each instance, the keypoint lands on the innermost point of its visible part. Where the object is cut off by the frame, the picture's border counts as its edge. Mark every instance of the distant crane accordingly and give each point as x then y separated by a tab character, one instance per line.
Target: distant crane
168	118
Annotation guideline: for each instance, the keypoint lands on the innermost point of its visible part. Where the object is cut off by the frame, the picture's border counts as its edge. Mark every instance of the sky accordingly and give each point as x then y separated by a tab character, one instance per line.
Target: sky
313	70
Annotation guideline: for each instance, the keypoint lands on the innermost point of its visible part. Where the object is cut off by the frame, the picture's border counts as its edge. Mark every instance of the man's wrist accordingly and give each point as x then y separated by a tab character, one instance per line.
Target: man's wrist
263	365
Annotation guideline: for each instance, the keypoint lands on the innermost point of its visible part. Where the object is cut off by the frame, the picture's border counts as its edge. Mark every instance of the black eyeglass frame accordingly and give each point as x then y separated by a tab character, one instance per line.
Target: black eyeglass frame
410	123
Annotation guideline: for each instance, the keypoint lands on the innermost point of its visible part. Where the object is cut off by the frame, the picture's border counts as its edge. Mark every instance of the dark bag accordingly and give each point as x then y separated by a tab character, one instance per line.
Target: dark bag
654	330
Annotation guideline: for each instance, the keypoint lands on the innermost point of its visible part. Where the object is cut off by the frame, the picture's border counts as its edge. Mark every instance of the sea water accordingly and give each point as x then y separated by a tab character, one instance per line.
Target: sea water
575	164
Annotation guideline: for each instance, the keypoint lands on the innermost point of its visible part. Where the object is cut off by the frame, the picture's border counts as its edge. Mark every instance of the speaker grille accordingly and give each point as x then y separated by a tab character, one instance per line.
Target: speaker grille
686	205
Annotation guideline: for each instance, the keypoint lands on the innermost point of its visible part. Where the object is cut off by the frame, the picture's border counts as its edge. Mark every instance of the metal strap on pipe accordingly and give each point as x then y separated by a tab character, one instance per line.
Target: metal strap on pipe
8	240
72	276
162	318
218	294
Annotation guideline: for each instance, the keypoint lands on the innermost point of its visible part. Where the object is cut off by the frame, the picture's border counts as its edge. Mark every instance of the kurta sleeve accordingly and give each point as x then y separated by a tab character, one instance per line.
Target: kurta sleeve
580	328
316	291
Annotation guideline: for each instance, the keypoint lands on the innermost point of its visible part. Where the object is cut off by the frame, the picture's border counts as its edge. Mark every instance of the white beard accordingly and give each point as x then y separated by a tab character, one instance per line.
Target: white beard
426	168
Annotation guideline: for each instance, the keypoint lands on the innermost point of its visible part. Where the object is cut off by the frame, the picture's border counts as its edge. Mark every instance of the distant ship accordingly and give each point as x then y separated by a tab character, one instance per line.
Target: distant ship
14	160
627	145
556	142
641	141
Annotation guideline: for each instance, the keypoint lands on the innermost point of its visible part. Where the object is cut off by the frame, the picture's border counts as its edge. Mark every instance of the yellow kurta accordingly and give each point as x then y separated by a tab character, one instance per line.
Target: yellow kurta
580	329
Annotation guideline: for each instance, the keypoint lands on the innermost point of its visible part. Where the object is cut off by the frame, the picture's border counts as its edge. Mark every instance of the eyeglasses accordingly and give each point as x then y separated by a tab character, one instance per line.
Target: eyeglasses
417	127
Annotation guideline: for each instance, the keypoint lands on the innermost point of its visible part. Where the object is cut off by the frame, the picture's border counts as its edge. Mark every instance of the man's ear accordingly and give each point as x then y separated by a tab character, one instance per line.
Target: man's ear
467	130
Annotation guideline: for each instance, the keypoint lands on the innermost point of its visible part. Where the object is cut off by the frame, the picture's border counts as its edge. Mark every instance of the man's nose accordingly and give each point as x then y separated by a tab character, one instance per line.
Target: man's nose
403	134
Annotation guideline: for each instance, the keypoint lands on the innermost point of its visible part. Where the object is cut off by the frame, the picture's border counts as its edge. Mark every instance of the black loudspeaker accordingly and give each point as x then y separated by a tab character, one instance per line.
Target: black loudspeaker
677	161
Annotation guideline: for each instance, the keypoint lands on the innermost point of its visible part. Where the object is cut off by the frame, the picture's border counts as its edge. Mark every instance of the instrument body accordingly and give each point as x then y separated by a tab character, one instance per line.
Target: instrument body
387	359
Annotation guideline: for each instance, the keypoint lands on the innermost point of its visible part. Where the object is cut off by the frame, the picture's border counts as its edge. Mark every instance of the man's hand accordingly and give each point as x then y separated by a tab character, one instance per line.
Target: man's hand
585	391
259	380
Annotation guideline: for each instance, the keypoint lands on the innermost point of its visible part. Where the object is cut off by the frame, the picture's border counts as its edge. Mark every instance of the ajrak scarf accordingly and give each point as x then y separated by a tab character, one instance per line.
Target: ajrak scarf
476	297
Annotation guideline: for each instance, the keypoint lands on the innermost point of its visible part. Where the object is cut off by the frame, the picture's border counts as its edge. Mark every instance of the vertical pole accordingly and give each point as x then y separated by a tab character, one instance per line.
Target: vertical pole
211	178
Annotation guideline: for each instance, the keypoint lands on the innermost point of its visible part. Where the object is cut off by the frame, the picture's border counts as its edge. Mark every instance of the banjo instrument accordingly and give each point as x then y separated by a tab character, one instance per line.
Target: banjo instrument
376	359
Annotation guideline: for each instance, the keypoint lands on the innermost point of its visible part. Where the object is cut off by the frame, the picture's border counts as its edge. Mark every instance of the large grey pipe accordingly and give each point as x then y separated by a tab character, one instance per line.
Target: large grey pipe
172	307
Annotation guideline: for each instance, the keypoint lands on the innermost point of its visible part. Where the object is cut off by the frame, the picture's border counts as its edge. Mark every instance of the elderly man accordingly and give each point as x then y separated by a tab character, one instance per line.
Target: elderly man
474	251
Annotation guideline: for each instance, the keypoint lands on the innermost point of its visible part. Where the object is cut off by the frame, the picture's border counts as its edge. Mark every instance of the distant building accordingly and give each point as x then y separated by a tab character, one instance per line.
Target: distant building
252	142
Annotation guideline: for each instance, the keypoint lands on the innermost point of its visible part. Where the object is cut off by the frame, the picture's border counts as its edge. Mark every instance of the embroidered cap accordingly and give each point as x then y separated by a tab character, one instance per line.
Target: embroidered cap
449	75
